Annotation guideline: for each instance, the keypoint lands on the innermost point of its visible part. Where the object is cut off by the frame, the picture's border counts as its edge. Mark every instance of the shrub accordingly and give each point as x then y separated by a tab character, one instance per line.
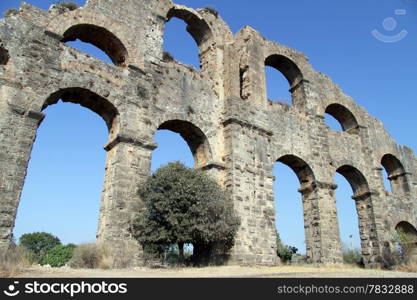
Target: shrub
39	243
352	256
86	256
69	5
283	251
405	242
11	12
58	256
166	56
212	10
66	5
99	256
286	252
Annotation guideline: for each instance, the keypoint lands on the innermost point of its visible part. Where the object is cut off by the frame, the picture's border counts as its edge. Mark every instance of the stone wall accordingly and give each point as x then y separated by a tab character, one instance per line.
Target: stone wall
222	111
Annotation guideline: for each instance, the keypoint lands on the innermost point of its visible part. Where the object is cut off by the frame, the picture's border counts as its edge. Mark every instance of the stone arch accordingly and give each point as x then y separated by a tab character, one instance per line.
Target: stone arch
406	227
198	28
357	181
90	100
195	138
364	208
99	37
307	181
303	171
344	116
289	69
408	240
396	174
76	95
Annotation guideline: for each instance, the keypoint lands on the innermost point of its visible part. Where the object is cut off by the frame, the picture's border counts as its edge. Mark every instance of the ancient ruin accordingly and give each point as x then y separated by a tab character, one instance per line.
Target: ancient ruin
222	111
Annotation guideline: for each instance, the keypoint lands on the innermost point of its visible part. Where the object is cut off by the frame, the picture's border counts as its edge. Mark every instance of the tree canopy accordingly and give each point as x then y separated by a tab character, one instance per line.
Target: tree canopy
39	242
185	206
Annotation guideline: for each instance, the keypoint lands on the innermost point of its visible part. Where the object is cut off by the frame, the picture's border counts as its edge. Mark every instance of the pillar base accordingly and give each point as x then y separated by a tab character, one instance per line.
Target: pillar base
254	260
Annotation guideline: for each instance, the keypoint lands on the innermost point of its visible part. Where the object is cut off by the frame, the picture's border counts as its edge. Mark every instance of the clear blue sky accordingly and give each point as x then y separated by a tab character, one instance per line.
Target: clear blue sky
66	169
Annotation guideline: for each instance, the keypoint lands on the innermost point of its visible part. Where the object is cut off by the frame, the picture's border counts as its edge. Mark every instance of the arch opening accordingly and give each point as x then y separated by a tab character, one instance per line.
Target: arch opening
99	37
181	141
179	45
332	123
199	30
195	138
397	175
289	70
407	241
171	147
294	176
344	116
357	181
70	156
196	26
277	86
348	220
303	171
365	217
90	100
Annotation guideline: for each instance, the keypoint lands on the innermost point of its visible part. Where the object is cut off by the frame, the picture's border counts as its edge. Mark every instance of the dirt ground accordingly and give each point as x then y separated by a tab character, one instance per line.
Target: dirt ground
217	272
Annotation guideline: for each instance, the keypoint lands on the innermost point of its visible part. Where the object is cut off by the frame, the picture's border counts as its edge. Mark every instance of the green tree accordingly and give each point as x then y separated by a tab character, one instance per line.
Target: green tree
283	251
39	243
185	206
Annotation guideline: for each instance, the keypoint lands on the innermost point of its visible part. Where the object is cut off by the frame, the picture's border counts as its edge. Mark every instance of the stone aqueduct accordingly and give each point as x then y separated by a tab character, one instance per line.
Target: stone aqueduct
222	111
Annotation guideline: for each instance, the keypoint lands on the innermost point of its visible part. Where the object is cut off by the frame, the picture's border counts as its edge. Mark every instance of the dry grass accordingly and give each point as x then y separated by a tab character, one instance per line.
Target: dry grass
409	267
99	256
15	260
92	260
307	271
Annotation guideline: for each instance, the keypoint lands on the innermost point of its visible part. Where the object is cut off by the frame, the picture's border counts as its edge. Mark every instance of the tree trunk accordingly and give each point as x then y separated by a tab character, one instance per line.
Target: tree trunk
181	252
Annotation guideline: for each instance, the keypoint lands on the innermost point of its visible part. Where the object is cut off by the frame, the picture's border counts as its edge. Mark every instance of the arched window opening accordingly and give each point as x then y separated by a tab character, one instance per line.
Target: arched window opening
289	209
293	176
346	120
182	49
397	175
332	123
179	45
387	182
357	181
347	217
63	186
364	216
195	138
289	70
179	141
91	50
99	37
277	86
406	238
171	147
90	100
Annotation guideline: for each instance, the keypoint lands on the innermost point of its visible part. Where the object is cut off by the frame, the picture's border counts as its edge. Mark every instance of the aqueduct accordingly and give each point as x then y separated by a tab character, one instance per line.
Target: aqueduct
222	111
